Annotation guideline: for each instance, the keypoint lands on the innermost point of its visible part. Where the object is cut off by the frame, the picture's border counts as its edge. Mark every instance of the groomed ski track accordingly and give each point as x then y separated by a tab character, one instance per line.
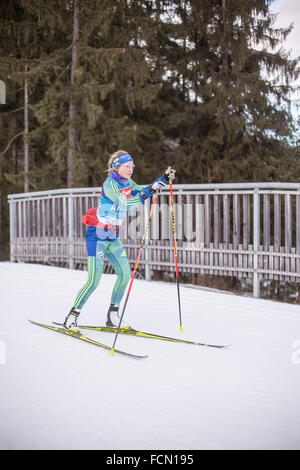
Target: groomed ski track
57	393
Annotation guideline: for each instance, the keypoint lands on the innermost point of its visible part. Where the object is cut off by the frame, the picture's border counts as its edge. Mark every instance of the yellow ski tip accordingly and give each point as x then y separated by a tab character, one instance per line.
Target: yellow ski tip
181	329
111	351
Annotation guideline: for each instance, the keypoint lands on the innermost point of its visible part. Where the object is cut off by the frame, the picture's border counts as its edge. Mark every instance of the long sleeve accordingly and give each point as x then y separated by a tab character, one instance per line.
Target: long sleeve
112	192
135	188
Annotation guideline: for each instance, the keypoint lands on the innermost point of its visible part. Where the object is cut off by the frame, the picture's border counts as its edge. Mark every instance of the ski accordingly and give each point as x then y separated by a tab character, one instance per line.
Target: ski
143	334
86	339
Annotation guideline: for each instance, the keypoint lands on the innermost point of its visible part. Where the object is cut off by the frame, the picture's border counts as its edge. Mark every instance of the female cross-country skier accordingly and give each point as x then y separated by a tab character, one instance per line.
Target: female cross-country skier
119	193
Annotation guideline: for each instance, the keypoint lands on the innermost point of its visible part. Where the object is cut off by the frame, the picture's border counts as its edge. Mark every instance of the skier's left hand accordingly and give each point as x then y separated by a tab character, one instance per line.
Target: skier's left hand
169	174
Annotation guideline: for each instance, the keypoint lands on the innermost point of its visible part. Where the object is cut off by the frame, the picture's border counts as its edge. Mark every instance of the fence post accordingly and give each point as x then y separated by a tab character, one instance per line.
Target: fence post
298	230
256	239
71	230
12	228
146	244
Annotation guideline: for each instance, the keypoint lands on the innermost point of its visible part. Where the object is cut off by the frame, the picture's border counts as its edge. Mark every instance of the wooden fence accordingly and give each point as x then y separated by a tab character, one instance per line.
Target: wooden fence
247	230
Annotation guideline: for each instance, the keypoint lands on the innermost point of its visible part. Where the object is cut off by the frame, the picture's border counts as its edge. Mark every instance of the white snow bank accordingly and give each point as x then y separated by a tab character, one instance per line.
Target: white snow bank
60	393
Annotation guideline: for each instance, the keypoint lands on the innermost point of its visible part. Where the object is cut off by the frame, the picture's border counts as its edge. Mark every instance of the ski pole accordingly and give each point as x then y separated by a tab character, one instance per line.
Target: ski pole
135	268
175	253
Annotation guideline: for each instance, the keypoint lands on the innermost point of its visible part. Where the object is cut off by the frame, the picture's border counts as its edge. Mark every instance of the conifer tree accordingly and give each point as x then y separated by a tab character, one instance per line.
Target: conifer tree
93	75
23	32
26	28
108	80
234	123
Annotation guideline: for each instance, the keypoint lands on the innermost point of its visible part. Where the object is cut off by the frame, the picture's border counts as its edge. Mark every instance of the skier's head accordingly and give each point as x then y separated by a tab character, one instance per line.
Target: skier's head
121	162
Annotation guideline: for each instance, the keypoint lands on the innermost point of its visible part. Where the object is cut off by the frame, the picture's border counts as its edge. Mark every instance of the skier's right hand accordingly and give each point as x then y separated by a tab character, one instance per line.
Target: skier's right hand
161	182
152	188
157	185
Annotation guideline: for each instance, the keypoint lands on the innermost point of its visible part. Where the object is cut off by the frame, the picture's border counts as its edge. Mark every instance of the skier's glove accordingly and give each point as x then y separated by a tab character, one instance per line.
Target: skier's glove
158	184
161	182
169	174
147	192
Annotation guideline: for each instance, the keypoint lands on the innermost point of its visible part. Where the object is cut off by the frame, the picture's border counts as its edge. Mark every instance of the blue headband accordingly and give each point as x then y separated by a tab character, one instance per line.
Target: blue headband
121	159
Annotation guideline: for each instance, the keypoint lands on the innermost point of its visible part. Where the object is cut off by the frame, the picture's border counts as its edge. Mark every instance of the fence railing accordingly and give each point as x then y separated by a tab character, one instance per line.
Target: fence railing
247	230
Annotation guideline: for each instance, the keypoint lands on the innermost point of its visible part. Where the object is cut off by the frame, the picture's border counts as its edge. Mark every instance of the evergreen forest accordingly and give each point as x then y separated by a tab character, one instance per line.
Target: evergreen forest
202	85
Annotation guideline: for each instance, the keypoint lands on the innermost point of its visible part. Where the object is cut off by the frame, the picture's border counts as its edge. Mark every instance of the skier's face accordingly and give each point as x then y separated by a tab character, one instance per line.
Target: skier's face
126	170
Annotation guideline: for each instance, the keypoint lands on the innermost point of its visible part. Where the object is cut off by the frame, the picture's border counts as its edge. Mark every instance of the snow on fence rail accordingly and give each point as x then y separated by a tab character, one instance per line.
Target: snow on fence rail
246	230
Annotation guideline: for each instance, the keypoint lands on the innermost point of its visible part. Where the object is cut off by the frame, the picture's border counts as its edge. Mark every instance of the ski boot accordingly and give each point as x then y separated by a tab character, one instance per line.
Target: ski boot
70	322
113	318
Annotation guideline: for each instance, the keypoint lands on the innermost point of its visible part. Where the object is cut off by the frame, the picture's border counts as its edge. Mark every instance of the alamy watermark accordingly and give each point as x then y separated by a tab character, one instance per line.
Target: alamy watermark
189	227
2	353
295	356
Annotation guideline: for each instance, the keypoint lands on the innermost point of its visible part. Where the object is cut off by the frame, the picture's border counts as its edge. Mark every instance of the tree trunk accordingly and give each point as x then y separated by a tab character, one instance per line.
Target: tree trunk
72	108
26	131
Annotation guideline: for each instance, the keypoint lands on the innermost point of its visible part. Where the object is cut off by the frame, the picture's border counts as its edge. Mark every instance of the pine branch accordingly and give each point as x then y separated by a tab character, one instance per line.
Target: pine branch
11	141
13	111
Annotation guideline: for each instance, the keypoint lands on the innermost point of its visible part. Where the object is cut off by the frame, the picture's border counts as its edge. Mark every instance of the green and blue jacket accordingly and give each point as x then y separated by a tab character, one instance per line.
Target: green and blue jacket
117	196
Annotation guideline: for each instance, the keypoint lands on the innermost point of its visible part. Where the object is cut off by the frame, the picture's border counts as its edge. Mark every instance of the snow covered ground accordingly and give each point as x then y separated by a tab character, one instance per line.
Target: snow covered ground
59	393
